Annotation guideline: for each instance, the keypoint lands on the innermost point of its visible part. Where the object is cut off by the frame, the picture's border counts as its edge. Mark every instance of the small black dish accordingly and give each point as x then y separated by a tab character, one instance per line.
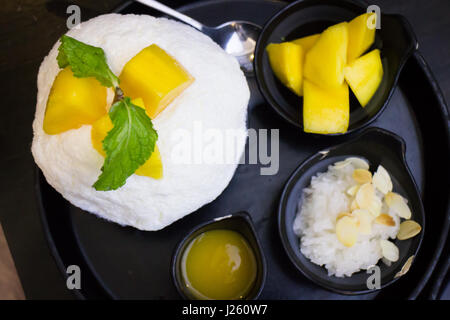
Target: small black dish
240	222
395	39
377	146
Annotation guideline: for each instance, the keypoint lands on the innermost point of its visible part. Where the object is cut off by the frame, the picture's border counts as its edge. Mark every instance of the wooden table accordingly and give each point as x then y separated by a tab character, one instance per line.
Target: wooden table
10	287
28	29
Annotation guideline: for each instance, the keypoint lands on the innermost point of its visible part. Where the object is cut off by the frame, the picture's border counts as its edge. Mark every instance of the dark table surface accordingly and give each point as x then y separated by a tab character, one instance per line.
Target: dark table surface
28	29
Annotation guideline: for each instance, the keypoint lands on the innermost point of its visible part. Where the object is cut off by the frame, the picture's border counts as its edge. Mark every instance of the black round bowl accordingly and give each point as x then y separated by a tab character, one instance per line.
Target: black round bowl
378	146
395	39
240	222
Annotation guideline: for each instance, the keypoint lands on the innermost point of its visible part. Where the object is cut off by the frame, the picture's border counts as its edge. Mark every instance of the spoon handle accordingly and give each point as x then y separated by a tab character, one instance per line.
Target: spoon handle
163	8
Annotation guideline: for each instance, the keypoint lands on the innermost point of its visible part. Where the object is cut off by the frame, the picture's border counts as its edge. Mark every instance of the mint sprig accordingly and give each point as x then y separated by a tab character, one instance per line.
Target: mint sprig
132	140
128	145
85	61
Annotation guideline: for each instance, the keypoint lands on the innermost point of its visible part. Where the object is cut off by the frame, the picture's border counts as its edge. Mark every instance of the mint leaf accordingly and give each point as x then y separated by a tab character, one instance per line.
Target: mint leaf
128	145
85	61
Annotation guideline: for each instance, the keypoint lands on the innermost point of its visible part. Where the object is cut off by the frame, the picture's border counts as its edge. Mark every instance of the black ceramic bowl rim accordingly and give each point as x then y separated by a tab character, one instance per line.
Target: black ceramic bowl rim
261	264
292	179
257	65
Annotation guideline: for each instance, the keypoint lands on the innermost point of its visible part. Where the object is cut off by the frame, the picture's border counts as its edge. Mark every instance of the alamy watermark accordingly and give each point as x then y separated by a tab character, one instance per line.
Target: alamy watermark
374	21
373	282
213	146
74	19
74	277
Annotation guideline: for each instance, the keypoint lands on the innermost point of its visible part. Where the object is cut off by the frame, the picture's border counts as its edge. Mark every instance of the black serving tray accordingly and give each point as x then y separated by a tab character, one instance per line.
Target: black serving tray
125	263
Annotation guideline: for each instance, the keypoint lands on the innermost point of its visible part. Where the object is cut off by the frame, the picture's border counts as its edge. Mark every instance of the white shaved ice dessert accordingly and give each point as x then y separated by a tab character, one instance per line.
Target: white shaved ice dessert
217	99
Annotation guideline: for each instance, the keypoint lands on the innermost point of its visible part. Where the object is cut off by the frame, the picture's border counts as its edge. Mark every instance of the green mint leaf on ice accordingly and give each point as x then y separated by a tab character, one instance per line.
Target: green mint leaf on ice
128	145
85	61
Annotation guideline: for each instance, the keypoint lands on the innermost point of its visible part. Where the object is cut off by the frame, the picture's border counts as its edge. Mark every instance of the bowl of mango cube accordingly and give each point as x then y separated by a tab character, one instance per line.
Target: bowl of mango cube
330	67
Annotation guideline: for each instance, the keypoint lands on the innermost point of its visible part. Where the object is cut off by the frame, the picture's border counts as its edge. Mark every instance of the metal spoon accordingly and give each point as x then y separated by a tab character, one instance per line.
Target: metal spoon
237	38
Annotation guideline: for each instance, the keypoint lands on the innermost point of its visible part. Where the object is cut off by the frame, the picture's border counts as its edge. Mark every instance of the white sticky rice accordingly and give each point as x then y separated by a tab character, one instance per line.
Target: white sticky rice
315	223
216	100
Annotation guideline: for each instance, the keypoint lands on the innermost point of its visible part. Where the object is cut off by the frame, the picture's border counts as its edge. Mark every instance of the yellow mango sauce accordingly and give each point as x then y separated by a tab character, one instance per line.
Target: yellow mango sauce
219	265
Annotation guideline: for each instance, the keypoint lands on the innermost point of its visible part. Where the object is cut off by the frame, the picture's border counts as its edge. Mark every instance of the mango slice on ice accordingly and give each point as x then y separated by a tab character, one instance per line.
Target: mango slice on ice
151	168
73	102
286	60
307	42
360	36
154	76
364	75
325	61
325	110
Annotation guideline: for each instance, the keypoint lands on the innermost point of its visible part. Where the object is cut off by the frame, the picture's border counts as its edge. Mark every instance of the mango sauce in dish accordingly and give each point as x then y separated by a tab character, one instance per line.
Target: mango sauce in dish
219	265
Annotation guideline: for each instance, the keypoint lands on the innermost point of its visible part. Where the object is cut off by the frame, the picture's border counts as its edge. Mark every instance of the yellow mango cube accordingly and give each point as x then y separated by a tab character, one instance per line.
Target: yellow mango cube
286	61
364	76
99	130
307	42
151	168
325	111
325	61
154	76
360	35
73	102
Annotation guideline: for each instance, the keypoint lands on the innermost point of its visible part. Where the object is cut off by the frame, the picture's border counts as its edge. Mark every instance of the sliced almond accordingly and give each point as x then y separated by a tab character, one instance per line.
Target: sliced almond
389	250
405	267
382	181
358	163
397	203
408	229
365	196
364	219
352	190
341	164
375	207
347	231
385	219
362	176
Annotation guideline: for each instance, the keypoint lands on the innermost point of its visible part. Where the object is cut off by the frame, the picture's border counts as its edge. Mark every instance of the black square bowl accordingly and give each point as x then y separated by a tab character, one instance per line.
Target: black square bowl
377	146
395	40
